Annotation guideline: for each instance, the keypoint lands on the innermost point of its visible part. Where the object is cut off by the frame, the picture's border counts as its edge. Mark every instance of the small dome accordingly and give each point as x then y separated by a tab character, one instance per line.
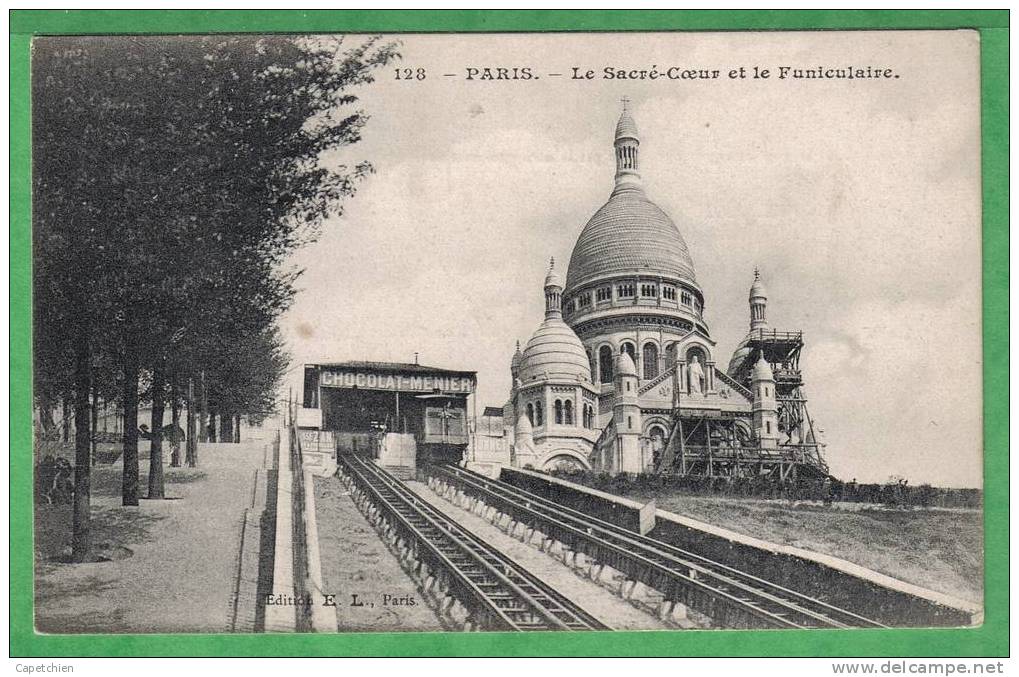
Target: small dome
738	357
517	356
625	365
762	370
554	352
553	279
757	290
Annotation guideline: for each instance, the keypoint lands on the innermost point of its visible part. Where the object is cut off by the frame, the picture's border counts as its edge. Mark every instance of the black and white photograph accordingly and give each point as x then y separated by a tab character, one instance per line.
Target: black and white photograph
507	332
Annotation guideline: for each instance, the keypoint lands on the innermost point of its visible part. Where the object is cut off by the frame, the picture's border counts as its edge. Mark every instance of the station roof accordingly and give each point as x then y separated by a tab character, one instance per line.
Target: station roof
392	367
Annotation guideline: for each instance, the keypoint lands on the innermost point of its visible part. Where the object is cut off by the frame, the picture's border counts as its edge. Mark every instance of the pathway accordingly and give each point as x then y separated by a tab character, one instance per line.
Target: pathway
175	561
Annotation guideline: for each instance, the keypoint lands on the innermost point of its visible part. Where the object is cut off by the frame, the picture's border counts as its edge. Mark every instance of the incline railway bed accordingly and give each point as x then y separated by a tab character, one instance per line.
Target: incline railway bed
473	585
729	597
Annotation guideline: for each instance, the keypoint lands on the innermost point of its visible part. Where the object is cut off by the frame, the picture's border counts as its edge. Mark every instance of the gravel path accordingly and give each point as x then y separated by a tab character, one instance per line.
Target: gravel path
178	556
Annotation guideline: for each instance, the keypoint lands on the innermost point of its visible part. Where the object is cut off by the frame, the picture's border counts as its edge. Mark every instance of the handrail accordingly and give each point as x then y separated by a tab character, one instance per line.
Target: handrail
775	335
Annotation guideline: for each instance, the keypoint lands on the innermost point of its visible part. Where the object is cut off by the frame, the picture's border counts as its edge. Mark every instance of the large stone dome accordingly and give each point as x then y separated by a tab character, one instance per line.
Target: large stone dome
554	352
629	235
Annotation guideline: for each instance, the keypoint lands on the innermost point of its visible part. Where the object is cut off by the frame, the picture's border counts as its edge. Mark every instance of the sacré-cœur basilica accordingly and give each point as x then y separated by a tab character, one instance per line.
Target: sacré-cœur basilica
622	374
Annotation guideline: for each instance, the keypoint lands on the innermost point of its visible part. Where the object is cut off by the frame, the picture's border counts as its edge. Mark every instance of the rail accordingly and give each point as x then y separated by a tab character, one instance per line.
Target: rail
788	453
495	592
774	335
729	597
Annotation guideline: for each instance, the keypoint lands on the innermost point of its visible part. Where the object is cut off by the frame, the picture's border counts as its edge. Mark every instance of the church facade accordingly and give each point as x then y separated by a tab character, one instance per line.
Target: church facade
622	376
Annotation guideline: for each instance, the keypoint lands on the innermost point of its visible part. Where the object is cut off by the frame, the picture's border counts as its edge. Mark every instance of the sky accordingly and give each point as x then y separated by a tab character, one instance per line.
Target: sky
858	199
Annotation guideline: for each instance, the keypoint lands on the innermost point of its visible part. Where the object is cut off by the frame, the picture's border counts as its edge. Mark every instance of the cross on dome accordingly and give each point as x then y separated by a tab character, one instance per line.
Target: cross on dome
626	128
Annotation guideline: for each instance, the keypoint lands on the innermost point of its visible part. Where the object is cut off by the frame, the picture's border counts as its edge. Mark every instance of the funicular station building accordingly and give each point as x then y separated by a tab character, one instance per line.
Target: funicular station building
623	376
402	414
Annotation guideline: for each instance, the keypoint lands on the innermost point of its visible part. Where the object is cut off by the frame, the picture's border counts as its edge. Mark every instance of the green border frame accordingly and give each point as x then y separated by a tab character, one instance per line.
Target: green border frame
990	639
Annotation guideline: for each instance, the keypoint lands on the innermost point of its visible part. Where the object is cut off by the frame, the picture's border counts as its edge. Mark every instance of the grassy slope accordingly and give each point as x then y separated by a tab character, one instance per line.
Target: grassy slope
938	550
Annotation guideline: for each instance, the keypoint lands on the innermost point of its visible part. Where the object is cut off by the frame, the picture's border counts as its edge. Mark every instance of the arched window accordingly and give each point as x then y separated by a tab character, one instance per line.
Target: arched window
530	413
539	418
670	355
650	360
605	364
568	412
559	412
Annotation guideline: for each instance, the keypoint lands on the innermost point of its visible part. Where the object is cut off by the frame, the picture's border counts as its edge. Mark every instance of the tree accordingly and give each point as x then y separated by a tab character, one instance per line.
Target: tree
172	178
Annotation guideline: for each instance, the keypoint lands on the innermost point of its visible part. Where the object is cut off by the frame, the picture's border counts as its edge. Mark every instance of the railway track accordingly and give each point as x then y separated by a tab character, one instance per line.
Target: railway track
727	595
456	566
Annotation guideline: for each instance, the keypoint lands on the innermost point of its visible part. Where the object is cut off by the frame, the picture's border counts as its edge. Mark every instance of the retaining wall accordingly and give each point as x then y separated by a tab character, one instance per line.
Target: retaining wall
623	512
833	580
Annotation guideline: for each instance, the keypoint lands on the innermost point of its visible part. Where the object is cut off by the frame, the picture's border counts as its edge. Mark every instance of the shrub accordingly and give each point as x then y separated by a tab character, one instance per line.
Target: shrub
54	481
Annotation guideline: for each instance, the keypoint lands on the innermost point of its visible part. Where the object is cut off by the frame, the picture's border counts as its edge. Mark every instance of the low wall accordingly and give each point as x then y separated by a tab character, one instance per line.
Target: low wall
830	579
279	615
623	512
833	580
398	451
297	595
354	443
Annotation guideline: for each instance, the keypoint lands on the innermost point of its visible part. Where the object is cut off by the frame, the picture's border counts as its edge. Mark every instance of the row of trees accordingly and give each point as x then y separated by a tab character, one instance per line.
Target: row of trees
173	176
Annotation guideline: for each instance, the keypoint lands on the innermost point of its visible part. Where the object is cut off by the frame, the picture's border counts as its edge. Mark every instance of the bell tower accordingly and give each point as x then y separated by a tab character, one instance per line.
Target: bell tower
627	145
627	417
758	303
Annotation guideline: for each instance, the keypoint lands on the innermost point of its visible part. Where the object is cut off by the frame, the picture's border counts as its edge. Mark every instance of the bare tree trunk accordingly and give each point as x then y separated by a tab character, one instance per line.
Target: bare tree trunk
226	428
95	424
156	446
65	422
81	531
175	422
191	448
237	428
130	484
203	410
46	414
212	427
